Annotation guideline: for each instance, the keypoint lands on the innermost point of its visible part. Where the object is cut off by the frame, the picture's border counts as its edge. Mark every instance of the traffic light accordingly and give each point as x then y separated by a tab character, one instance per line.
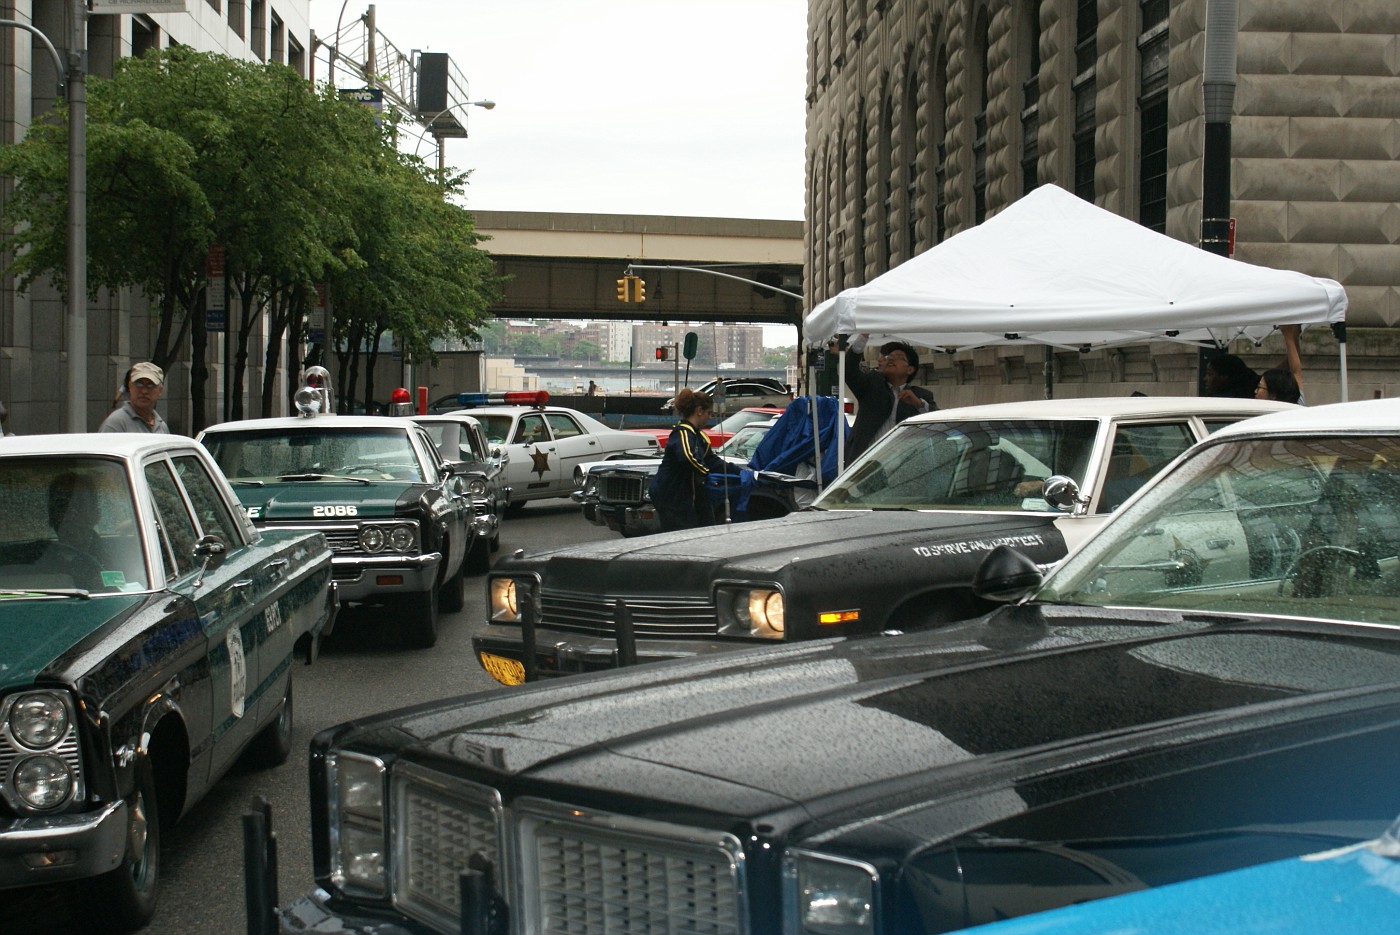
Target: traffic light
663	353
624	289
639	289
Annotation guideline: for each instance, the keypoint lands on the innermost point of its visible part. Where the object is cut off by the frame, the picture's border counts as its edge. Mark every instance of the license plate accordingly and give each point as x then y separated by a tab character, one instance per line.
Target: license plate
506	671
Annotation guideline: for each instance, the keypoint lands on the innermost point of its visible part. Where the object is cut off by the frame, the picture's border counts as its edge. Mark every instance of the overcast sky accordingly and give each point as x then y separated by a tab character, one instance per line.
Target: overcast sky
669	107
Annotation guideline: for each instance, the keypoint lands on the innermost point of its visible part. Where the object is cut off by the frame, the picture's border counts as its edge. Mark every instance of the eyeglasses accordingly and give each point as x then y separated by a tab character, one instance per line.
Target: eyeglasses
896	357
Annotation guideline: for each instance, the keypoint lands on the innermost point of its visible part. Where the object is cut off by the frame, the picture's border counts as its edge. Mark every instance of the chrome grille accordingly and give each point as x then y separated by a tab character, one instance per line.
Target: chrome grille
578	871
652	615
593	872
439	824
621	488
343	539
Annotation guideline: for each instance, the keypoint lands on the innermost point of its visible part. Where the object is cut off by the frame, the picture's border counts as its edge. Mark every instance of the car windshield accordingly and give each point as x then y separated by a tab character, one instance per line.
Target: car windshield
69	524
740	419
743	443
496	427
1301	526
963	465
315	452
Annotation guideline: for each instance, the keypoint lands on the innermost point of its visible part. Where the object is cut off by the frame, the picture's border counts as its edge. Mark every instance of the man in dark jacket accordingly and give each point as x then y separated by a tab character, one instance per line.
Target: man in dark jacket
884	396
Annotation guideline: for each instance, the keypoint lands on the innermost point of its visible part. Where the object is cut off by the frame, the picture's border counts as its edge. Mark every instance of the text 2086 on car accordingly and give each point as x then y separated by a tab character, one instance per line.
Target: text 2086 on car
890	543
397	516
147	633
1210	682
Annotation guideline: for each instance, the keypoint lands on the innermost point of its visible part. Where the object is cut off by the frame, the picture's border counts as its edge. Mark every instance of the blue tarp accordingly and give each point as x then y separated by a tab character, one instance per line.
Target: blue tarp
784	448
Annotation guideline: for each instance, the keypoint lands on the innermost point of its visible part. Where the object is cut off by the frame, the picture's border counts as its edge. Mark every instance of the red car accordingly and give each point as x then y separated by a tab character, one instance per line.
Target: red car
721	431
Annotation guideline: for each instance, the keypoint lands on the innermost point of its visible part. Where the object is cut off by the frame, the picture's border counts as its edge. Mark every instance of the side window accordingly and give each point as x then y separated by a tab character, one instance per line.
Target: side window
1138	453
531	430
429	451
177	530
209	507
563	426
475	442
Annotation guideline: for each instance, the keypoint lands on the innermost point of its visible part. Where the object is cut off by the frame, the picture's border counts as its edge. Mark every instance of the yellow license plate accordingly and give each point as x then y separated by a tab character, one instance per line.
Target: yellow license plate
506	671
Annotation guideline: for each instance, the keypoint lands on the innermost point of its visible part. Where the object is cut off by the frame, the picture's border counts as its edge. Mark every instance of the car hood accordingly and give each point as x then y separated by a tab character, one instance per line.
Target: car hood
35	632
295	500
691	559
836	724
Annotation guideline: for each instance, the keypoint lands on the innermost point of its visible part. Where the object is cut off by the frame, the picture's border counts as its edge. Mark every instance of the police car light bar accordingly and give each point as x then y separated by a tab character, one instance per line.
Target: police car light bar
513	398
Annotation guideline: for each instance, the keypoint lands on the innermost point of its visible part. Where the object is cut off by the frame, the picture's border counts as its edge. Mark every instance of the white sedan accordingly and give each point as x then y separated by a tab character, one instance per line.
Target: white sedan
546	443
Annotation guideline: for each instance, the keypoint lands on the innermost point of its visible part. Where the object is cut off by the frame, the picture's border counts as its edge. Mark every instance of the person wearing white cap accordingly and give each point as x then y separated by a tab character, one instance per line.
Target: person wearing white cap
144	384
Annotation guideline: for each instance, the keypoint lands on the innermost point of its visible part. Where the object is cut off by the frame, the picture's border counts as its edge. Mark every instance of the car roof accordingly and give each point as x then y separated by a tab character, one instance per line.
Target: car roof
1362	416
445	417
300	422
1107	407
111	444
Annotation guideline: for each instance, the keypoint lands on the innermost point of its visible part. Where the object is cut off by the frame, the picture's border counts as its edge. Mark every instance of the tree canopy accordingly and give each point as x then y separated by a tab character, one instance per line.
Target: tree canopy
189	149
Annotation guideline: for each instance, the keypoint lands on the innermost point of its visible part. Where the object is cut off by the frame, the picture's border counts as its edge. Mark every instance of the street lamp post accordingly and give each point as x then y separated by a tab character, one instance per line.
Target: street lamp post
76	319
440	138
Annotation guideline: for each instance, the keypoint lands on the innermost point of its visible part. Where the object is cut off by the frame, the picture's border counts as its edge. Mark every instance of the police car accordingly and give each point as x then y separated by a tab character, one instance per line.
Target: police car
398	516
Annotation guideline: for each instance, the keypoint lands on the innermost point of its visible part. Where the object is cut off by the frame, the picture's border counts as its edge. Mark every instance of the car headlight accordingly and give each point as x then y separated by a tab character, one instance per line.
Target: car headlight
357	824
751	612
505	600
39	720
372	538
403	539
825	895
476	488
43	782
590	486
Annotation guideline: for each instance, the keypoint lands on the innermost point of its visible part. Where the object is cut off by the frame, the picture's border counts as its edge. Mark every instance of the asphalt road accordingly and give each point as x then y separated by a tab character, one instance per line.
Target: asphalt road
360	672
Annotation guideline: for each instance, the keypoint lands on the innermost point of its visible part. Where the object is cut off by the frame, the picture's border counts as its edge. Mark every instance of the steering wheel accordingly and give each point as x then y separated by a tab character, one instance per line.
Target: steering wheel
83	568
1310	556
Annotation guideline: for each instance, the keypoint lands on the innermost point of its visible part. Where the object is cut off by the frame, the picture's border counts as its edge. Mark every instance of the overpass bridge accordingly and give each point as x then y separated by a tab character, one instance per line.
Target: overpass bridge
566	266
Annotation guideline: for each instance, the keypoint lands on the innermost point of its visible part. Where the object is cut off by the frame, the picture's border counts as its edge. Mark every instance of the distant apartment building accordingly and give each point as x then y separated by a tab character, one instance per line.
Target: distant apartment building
740	345
33	355
925	117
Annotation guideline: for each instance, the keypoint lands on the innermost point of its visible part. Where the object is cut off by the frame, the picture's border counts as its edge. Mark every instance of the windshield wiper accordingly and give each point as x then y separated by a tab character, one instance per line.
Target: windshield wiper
249	483
47	592
358	480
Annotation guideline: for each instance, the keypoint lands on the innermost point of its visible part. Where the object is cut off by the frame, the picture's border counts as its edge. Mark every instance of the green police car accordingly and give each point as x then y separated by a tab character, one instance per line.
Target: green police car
398	517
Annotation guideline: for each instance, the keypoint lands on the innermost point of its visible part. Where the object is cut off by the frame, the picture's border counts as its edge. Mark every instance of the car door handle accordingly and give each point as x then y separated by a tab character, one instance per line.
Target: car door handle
1219	543
241	584
276	565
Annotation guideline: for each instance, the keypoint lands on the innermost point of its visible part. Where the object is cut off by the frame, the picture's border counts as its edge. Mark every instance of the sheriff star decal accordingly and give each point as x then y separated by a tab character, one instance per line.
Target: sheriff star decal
541	459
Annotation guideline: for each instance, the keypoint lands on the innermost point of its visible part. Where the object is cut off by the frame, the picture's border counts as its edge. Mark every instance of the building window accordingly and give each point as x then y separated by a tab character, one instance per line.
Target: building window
259	30
279	40
1030	97
237	17
940	136
979	120
215	5
1153	51
145	35
1086	54
296	56
909	139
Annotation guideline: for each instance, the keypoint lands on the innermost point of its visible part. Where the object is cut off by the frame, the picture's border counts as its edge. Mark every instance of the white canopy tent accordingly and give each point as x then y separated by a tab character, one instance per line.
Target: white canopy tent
1054	269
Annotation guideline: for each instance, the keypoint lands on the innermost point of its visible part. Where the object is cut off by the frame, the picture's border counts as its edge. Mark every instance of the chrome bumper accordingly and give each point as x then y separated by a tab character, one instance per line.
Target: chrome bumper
35	851
357	577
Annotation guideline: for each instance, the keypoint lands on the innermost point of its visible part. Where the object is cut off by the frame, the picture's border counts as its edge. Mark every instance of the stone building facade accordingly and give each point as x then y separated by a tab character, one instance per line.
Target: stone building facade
120	327
927	116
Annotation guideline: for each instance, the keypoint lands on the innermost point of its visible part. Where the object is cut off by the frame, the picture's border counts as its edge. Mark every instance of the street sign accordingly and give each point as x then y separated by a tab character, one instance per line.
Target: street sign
215	308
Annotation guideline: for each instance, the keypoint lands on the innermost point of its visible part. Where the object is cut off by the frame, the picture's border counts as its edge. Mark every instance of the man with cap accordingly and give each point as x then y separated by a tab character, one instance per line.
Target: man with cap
884	396
144	384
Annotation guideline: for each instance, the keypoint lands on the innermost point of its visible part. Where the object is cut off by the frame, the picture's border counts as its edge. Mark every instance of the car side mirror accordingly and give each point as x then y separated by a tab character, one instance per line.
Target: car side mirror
500	454
455	468
1006	576
211	551
1062	493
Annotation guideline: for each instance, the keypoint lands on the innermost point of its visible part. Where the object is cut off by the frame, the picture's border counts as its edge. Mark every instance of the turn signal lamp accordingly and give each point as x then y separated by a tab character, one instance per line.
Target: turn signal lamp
838	616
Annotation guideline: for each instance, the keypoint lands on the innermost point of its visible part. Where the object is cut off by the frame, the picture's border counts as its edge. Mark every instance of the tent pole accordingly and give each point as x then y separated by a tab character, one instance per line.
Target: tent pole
1340	330
1049	372
816	424
841	404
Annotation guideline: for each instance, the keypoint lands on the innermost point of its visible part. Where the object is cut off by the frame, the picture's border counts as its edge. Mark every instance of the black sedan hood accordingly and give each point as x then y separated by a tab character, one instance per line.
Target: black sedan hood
689	558
842	721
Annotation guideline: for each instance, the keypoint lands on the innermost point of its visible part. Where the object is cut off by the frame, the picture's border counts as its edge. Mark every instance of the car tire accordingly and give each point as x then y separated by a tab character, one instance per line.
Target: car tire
125	898
453	596
420	629
273	744
515	507
496	542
